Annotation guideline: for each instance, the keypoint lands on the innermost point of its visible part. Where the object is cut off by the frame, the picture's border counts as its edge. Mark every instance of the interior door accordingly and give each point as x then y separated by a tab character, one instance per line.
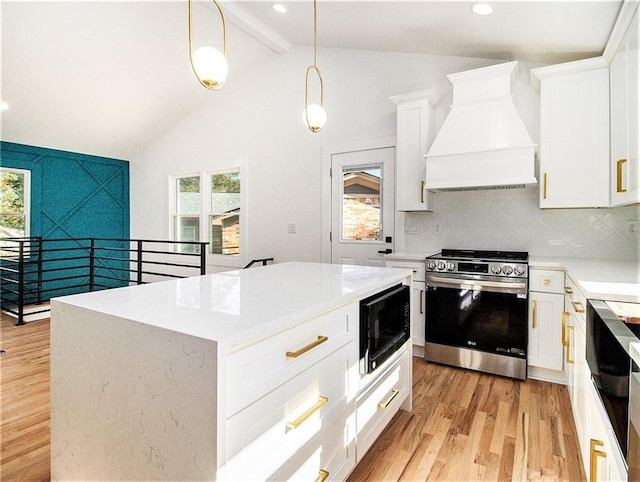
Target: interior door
362	206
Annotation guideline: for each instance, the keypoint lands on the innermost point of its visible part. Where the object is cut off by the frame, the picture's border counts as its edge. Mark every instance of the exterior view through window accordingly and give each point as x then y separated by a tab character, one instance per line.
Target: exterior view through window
361	214
187	217
224	219
14	203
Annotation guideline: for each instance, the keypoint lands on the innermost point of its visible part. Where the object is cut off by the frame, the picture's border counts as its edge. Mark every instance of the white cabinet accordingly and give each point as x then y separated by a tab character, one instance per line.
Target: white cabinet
546	305
625	115
415	133
577	371
574	134
417	300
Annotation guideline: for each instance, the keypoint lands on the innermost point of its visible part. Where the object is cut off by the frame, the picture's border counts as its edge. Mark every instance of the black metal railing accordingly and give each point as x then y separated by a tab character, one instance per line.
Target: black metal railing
33	270
264	262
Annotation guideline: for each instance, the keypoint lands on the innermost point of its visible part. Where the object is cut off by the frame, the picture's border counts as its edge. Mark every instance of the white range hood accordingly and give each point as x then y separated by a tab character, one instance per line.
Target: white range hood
483	143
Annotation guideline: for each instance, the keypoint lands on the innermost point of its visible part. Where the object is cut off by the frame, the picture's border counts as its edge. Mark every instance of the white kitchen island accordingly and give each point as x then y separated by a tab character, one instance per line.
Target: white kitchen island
190	379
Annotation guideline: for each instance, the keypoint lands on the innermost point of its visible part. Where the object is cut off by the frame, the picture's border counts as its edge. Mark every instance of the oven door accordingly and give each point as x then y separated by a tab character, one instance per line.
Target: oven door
486	314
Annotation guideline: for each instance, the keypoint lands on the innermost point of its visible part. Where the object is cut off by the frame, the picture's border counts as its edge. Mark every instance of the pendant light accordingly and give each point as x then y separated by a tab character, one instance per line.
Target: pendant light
208	64
314	115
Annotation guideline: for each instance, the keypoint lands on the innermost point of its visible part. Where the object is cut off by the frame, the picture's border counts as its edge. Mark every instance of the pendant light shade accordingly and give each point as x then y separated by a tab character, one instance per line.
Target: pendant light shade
208	64
314	116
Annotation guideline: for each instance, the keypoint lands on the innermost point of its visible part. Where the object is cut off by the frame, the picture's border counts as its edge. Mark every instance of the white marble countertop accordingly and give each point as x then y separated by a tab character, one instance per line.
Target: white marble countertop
233	305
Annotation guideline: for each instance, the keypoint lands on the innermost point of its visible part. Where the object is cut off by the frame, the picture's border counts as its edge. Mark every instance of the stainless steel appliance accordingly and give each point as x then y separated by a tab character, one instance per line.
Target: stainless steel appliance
477	310
633	452
385	324
609	360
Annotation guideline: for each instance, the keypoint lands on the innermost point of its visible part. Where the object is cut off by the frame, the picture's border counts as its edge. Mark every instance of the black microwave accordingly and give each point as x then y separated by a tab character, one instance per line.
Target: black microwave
608	339
385	325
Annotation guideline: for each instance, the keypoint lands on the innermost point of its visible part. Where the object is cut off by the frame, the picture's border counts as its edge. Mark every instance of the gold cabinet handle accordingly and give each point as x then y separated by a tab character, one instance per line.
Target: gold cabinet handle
295	354
422	191
568	290
593	458
394	394
619	164
300	420
533	314
565	315
568	358
322	475
577	306
546	281
544	187
421	301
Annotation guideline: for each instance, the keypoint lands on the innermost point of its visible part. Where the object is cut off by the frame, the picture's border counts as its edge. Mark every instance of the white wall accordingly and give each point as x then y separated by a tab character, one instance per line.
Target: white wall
258	117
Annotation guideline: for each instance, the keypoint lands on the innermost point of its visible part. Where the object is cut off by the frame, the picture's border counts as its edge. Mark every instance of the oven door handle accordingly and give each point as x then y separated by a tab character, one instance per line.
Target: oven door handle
498	286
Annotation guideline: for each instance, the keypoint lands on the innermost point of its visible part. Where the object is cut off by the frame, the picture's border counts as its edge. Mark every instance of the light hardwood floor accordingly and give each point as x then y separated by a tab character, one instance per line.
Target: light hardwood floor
464	426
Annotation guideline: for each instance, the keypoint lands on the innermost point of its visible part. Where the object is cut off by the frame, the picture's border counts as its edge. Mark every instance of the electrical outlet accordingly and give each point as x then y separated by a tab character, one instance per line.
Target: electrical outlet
632	227
437	229
411	228
291	228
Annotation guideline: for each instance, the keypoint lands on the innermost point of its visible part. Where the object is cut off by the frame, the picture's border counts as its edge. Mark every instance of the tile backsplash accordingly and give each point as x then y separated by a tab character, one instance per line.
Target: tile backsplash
509	219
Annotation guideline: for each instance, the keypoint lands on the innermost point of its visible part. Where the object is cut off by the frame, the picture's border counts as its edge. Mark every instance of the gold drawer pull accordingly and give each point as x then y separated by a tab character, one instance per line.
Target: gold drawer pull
533	314
544	190
322	475
394	394
568	290
565	315
619	164
593	458
546	281
421	301
295	354
300	420
568	358
577	306
422	192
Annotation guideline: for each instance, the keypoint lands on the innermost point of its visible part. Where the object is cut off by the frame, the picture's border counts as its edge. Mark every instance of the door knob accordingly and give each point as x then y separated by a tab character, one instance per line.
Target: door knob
386	251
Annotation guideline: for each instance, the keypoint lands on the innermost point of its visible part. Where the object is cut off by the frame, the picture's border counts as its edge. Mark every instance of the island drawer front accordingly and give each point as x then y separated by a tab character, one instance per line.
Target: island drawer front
263	427
379	404
419	269
334	453
546	280
254	371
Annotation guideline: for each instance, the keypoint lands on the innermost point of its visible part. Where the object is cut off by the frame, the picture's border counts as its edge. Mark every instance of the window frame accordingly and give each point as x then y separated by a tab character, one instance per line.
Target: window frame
213	259
26	197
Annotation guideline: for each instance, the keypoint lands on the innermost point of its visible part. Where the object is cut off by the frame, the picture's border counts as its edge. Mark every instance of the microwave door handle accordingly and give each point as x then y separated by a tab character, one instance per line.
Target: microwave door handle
469	284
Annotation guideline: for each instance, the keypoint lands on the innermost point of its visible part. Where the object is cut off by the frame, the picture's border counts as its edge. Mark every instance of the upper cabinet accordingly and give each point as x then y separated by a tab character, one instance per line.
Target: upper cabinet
574	134
625	113
416	130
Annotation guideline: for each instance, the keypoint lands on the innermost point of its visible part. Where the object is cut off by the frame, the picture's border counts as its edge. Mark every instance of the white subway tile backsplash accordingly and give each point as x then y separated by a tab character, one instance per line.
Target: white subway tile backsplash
511	220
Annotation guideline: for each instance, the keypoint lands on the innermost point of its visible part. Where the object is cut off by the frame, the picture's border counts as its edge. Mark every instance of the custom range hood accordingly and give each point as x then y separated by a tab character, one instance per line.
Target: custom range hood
483	143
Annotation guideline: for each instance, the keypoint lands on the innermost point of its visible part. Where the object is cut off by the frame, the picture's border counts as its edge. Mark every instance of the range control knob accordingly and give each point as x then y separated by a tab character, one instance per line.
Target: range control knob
518	270
441	265
506	269
495	268
431	265
450	266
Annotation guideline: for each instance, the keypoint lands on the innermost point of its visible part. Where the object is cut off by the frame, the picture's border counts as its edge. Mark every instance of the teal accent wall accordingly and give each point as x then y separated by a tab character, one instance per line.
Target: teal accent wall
73	195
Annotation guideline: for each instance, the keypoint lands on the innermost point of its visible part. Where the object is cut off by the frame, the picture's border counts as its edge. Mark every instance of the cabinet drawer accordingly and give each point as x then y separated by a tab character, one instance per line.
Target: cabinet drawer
256	370
418	268
377	406
575	301
331	455
286	419
546	281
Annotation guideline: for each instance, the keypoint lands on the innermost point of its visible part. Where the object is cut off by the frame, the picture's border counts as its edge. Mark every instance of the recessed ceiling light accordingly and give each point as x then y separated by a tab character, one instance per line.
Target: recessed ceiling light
278	7
4	105
481	8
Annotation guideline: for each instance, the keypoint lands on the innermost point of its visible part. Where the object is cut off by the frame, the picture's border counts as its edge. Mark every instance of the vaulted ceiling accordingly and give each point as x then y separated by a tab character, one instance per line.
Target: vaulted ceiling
108	77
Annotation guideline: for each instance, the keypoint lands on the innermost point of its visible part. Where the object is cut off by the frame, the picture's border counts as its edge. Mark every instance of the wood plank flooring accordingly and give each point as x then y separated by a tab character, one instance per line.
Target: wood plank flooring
464	426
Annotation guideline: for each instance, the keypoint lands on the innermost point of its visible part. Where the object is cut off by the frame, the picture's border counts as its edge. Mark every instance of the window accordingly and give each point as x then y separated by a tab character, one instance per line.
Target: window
15	200
207	207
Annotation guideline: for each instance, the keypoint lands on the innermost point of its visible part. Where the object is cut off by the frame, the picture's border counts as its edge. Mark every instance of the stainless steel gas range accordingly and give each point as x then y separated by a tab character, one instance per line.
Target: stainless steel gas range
477	310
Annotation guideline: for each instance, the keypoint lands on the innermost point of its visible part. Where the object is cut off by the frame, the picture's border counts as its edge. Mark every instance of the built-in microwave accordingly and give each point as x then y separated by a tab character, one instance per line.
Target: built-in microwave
385	325
609	360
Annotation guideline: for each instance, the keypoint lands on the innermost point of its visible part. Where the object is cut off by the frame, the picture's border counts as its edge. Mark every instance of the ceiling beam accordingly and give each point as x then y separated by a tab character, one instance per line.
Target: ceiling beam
254	27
